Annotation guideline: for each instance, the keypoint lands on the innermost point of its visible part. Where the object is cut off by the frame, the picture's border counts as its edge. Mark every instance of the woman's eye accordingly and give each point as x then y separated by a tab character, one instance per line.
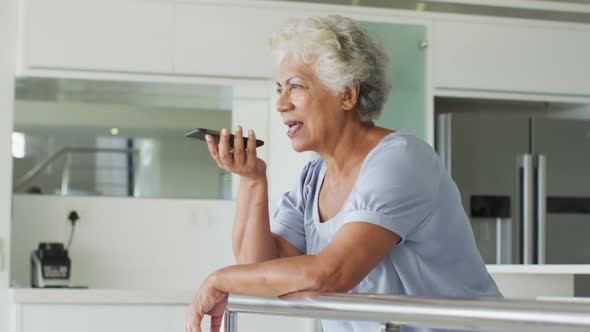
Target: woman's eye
290	87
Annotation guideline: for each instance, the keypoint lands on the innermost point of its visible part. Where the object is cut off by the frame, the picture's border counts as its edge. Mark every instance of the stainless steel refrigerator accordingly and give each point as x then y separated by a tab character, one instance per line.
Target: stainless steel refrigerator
524	182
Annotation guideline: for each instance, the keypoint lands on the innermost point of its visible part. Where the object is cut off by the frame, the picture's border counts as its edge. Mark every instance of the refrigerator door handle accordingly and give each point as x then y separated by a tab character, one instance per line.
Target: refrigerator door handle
526	209
503	241
541	208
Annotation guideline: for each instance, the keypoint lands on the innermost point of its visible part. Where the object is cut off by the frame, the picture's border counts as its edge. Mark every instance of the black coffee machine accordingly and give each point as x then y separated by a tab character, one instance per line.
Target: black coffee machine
50	263
50	266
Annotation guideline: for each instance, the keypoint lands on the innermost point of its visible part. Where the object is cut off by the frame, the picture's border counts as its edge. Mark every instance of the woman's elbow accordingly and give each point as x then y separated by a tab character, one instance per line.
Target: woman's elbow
329	278
341	285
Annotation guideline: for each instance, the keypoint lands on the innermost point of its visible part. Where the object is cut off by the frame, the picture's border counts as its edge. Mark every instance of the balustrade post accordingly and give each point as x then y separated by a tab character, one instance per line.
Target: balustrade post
230	321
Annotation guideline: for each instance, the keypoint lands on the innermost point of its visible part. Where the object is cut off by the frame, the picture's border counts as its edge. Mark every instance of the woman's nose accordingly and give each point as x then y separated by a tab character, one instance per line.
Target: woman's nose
284	104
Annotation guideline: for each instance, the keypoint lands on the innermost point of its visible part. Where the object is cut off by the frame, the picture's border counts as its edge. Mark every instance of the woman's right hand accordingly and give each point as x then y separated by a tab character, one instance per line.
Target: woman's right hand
238	160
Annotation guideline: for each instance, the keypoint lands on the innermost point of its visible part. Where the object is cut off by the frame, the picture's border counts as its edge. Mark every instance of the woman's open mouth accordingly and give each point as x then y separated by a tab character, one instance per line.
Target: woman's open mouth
294	127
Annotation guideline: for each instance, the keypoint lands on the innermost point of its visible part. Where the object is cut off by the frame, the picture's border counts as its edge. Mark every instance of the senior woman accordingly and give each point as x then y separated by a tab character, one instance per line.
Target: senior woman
377	213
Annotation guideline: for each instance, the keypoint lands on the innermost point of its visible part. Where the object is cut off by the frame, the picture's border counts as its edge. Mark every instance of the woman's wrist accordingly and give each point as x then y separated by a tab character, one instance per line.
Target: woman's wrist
215	281
253	181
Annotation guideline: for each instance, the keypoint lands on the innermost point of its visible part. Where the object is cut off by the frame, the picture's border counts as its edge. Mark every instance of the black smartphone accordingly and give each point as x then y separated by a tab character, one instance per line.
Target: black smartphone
199	133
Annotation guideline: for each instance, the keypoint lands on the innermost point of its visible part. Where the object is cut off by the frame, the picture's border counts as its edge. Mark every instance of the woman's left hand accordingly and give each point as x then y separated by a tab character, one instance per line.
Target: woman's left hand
207	301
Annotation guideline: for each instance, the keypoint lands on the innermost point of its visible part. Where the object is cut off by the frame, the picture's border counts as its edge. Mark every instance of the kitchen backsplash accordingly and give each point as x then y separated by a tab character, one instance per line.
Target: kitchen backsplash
126	242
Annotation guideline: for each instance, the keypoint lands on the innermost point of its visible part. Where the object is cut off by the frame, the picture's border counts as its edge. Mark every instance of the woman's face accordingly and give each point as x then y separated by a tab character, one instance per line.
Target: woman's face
310	111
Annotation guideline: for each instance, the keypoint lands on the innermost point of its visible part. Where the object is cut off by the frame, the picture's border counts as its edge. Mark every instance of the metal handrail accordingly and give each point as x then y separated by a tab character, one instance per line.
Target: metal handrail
67	150
472	314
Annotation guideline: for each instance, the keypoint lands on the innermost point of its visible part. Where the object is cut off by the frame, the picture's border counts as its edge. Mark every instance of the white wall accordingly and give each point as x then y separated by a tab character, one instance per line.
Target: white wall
126	242
8	18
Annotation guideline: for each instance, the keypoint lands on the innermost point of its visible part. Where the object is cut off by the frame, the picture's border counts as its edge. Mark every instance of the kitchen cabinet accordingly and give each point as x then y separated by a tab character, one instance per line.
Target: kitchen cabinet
110	35
117	310
231	41
511	57
145	318
97	318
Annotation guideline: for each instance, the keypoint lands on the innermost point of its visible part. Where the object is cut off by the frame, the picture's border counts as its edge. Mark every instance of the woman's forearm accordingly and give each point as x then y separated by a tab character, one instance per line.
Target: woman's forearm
251	237
271	278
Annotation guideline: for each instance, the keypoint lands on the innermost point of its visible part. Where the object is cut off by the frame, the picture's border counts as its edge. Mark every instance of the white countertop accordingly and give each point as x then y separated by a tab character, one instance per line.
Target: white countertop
184	296
101	296
137	296
540	269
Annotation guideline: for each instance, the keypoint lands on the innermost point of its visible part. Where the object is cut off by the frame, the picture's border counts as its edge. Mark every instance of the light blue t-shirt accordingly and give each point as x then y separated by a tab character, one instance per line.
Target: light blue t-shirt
403	187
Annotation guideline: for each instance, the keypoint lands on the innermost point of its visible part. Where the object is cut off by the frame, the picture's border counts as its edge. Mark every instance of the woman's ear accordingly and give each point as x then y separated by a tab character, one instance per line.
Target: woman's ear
350	96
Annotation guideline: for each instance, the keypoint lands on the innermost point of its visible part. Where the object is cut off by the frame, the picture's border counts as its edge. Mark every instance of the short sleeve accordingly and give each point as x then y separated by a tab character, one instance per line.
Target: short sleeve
288	217
397	186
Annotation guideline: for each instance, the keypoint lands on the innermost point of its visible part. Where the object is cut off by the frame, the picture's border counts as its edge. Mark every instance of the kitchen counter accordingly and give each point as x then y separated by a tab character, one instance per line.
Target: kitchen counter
539	269
532	281
100	296
547	273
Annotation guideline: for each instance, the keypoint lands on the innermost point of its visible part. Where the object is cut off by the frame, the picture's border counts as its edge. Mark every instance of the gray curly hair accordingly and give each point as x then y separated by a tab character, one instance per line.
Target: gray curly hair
342	52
